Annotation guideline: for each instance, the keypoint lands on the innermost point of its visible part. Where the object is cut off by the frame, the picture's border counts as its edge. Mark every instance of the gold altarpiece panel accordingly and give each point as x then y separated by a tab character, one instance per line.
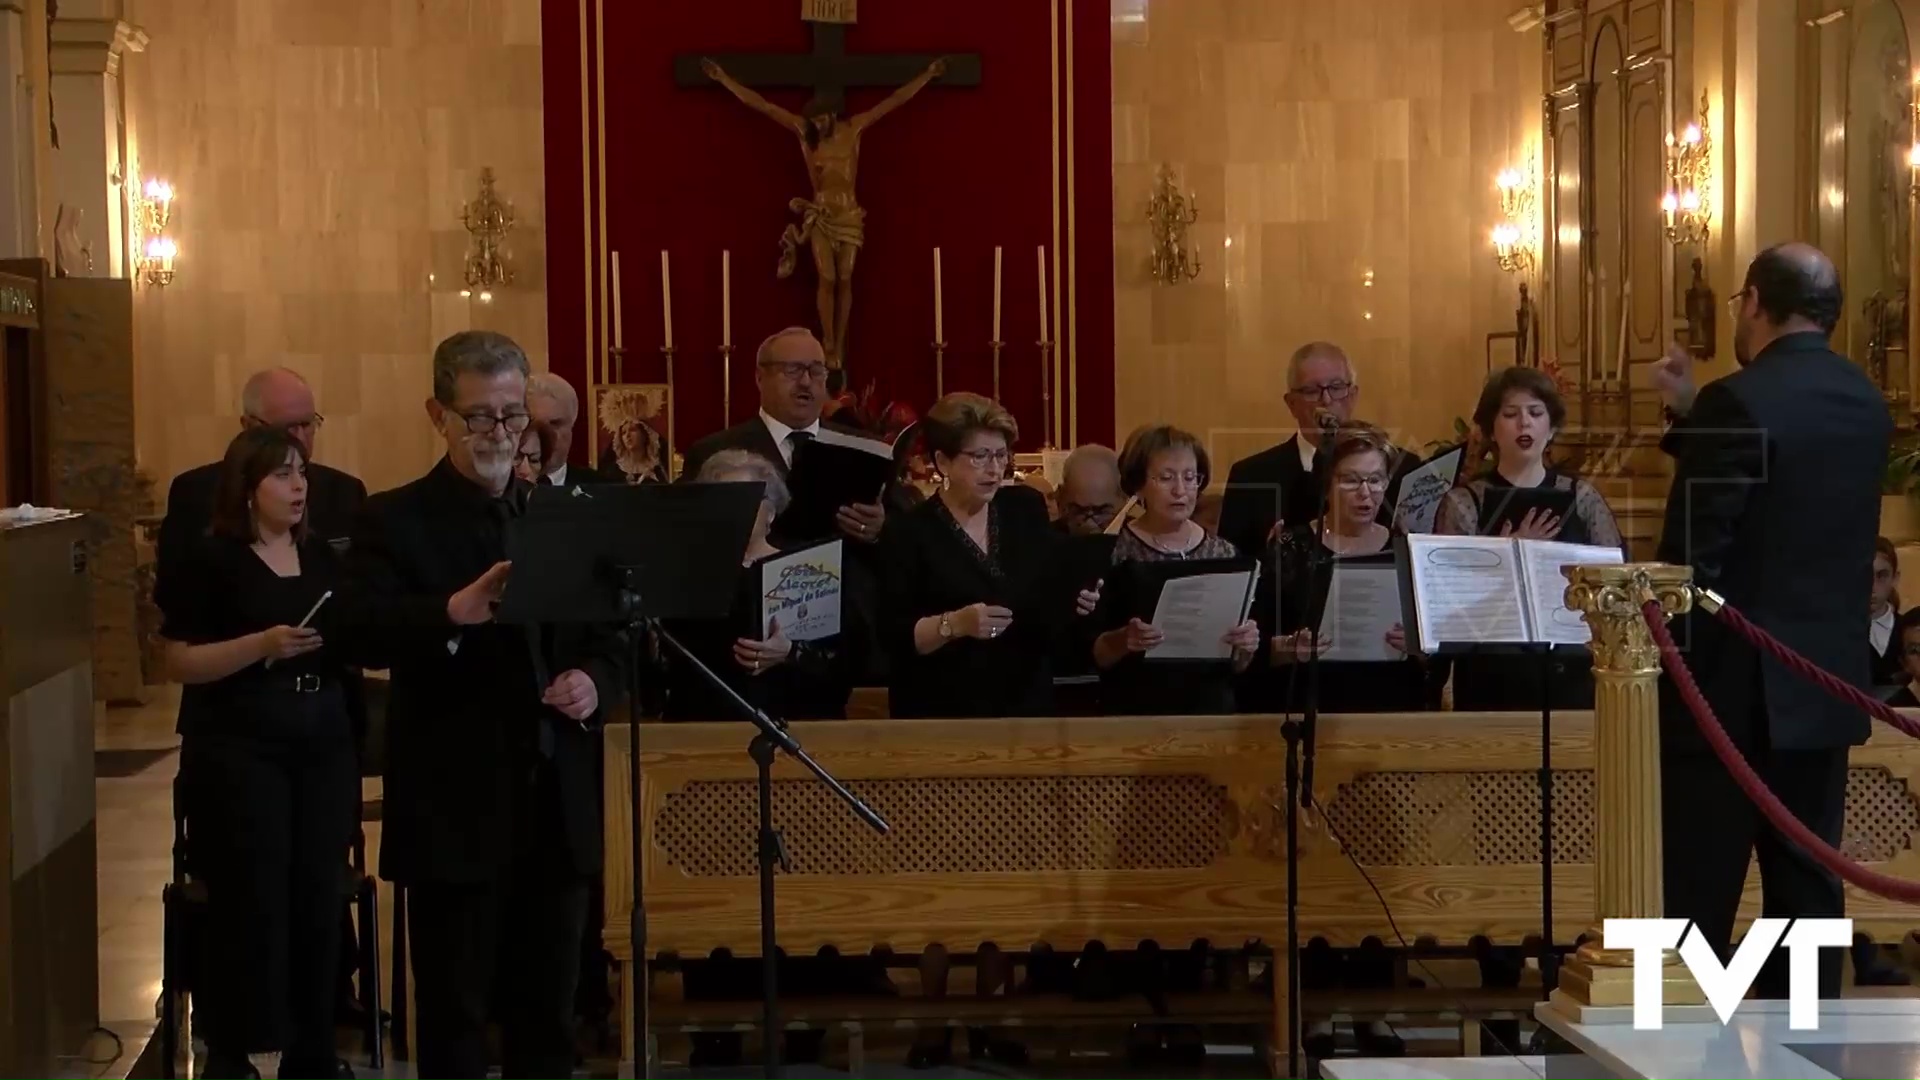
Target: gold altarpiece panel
1855	184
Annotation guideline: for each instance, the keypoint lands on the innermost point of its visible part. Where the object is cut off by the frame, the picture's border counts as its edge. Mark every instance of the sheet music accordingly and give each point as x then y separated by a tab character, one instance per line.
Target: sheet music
802	590
1467	589
1363	603
830	437
1553	621
1422	490
1195	612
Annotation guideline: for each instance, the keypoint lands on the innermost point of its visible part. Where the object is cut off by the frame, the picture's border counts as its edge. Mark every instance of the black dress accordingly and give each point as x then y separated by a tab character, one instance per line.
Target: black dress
1509	678
1283	603
929	566
272	791
1137	686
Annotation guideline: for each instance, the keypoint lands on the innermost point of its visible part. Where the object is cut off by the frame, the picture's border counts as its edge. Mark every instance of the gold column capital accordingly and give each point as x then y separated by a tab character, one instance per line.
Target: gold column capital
1610	597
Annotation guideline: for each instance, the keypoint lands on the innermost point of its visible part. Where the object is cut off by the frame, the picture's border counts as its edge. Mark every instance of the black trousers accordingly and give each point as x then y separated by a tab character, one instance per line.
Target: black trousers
516	941
1711	831
269	821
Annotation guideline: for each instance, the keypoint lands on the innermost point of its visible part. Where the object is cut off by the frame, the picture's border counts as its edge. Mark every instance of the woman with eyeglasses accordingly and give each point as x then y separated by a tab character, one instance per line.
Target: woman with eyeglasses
972	598
1519	412
1166	469
270	768
530	460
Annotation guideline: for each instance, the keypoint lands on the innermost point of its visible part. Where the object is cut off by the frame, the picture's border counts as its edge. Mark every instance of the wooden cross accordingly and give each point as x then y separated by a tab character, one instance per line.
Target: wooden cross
829	70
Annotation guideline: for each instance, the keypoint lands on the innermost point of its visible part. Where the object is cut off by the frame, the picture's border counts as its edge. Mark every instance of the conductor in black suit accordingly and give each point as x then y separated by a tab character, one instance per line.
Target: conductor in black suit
1281	483
492	816
1775	504
790	371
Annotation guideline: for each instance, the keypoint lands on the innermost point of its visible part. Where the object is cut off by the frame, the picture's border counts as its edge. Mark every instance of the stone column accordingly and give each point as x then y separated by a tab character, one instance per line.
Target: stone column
1626	765
91	166
25	140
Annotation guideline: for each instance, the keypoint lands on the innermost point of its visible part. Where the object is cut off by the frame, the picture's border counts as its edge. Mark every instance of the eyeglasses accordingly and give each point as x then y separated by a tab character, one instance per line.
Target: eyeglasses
1882	575
1087	512
795	371
1734	301
982	458
1337	390
484	423
1349	482
311	423
529	457
1190	477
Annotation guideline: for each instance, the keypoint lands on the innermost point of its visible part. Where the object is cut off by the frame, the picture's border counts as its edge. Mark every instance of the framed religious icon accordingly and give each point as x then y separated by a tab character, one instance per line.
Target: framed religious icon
630	432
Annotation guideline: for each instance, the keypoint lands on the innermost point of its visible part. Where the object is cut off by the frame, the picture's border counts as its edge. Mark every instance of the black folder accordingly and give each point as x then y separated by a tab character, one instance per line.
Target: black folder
1510	506
832	471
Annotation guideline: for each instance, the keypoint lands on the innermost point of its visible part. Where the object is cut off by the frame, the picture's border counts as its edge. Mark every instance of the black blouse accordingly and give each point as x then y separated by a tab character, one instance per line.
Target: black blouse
227	591
930	566
814	682
1286	597
1137	686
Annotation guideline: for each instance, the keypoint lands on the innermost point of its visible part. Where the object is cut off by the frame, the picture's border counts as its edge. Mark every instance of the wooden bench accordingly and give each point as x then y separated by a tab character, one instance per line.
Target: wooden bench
1131	829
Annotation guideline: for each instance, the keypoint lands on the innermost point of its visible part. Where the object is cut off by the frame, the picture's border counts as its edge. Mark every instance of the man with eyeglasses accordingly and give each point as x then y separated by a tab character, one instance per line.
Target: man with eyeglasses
492	816
1089	492
1280	484
790	372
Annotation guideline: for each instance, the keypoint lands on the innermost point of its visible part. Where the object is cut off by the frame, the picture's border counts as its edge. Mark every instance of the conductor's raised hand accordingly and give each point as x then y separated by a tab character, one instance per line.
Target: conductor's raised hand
1143	636
573	695
983	621
1089	599
474	604
1538	524
1673	377
761	654
287	642
1244	638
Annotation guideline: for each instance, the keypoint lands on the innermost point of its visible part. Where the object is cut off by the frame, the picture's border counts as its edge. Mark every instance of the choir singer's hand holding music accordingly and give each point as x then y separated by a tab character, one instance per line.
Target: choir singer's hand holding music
573	695
287	642
863	521
760	655
1142	636
1297	647
474	604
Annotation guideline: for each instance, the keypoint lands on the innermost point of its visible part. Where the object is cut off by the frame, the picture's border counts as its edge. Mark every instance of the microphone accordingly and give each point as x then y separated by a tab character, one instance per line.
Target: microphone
1329	424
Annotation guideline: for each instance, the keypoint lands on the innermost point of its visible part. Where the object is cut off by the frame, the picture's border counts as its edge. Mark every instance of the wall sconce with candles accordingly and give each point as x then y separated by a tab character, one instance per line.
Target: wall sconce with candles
488	219
1171	211
1516	239
153	213
1687	203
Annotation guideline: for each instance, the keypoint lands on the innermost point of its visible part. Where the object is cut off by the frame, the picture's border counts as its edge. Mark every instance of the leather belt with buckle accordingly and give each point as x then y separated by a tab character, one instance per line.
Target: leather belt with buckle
306	684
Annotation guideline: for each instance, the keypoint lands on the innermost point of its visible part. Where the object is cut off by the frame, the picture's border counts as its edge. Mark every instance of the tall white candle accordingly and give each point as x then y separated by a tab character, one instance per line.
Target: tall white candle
726	299
619	335
1040	260
666	299
996	294
939	321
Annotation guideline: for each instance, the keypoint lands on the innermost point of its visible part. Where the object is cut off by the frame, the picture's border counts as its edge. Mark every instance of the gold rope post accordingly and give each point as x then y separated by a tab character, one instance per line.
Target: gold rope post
1626	767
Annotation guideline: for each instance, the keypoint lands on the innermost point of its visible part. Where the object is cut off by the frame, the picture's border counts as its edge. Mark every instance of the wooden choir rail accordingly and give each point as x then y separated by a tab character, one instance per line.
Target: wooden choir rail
1125	829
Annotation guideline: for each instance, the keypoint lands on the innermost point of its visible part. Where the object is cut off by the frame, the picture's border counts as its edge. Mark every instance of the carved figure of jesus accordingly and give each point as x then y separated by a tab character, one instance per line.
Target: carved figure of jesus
832	224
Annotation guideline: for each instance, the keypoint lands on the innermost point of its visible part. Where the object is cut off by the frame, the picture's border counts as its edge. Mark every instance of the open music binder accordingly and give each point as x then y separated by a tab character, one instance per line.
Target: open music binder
1465	591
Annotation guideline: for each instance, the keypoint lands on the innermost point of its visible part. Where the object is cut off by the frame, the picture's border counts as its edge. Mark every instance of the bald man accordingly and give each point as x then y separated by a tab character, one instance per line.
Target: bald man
1775	504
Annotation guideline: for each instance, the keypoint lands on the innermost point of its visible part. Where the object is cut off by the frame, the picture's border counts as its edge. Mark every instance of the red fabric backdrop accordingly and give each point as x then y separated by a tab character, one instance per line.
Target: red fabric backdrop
692	171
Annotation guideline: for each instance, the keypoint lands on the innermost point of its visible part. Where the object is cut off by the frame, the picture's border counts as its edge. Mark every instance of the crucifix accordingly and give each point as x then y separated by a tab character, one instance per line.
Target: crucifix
832	223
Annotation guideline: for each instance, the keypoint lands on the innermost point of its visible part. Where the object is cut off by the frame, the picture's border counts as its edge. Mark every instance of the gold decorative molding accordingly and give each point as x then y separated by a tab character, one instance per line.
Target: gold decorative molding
1609	598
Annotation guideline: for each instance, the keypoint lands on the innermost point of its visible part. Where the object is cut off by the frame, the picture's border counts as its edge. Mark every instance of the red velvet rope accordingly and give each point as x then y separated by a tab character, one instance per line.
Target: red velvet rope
1819	676
1770	806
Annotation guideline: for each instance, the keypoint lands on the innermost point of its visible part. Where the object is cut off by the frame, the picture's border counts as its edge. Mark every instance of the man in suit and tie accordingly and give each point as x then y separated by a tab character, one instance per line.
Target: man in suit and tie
554	403
1775	504
790	370
1280	484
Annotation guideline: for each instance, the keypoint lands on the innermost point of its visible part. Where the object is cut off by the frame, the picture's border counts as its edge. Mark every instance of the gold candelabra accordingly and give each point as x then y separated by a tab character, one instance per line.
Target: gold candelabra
153	211
1171	212
1516	239
1687	203
488	219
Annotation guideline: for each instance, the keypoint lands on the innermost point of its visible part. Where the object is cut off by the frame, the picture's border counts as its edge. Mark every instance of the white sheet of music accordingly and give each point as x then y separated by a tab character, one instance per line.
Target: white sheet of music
1467	589
1195	613
1363	603
1553	621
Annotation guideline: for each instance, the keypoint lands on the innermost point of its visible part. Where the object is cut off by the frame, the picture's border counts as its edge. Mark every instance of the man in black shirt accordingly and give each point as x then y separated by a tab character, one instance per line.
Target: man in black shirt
1775	504
491	816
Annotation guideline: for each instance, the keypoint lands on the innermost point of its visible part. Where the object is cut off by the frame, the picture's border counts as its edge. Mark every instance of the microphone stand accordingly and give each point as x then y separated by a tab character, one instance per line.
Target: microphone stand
771	736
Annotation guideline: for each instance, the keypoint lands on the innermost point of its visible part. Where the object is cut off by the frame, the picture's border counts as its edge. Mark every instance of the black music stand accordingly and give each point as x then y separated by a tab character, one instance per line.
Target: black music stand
637	555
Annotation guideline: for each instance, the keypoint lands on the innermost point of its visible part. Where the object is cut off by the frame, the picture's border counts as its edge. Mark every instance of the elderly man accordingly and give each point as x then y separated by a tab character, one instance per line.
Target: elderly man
1089	492
1281	484
492	815
790	371
554	403
1775	504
